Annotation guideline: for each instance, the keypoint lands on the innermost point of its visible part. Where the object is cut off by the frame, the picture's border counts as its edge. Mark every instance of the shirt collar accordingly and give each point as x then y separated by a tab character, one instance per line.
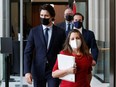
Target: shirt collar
80	29
68	22
44	27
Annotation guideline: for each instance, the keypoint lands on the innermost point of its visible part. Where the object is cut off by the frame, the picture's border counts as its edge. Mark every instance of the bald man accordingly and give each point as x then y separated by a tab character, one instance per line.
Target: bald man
67	24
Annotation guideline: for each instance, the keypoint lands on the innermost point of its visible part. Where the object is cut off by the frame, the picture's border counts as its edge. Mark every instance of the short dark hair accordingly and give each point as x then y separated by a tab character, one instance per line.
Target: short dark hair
49	8
79	14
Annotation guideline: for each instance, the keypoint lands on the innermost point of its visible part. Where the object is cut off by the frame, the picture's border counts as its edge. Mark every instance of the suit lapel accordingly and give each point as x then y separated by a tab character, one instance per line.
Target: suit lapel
83	33
64	25
72	26
41	35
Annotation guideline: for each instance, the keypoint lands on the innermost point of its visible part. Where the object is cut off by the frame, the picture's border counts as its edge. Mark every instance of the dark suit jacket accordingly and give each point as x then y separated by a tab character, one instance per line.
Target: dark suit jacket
36	42
62	25
91	42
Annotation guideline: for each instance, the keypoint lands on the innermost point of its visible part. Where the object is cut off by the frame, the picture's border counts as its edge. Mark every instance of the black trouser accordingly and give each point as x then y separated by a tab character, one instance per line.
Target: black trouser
51	82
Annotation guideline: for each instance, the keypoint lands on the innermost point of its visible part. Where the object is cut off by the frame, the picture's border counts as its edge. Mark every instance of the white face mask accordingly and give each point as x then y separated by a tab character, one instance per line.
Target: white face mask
75	43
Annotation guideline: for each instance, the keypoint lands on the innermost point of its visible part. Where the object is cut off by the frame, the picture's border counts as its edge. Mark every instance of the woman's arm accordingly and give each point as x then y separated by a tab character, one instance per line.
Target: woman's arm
61	73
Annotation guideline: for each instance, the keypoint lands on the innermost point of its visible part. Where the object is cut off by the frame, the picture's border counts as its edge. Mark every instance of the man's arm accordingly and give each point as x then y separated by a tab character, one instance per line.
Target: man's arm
94	48
28	54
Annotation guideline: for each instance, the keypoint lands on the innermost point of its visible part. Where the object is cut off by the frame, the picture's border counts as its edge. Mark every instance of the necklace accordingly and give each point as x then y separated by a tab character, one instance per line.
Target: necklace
78	56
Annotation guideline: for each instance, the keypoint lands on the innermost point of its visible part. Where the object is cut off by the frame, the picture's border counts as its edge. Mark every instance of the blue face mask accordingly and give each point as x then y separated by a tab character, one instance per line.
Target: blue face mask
78	24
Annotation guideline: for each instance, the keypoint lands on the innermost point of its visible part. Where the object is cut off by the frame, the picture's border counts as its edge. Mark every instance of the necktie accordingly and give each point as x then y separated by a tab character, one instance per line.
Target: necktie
46	35
68	29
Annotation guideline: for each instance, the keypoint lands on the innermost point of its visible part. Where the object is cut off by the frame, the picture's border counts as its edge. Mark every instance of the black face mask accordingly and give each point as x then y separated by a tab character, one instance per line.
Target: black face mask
44	21
69	17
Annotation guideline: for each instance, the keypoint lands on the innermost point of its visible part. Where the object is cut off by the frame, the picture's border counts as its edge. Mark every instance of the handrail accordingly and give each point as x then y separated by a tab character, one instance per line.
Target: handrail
104	49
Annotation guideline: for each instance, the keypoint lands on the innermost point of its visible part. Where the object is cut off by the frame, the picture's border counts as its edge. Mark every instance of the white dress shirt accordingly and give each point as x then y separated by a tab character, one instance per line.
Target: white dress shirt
67	25
80	29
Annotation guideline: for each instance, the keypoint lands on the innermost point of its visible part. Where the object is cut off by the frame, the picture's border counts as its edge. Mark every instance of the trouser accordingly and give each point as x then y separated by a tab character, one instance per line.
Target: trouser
50	83
48	80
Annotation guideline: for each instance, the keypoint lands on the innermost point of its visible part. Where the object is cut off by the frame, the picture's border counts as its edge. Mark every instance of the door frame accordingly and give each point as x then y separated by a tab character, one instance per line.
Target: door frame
112	43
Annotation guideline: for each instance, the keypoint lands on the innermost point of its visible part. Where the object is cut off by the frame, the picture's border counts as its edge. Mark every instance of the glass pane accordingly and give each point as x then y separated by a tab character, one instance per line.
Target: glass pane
81	8
102	69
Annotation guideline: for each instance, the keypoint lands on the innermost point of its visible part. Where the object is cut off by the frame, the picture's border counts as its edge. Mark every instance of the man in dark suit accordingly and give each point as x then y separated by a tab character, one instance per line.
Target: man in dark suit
88	35
67	25
47	41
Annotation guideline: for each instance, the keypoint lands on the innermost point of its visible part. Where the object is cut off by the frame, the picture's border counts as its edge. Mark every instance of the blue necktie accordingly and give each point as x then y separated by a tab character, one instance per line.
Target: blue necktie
68	29
46	36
